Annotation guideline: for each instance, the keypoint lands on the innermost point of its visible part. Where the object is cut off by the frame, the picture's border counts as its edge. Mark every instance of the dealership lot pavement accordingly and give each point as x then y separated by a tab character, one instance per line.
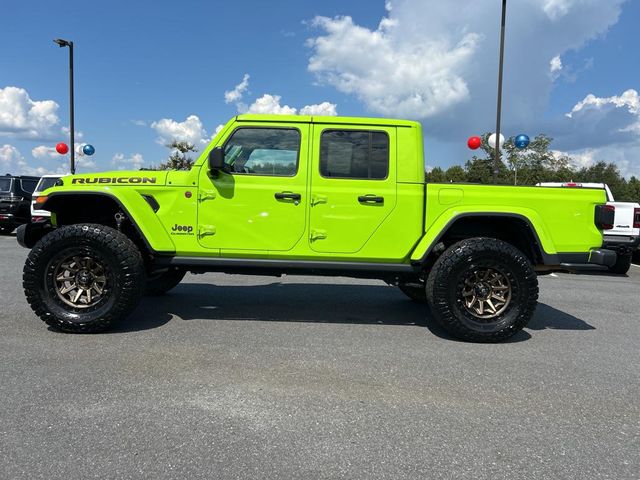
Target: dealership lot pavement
299	377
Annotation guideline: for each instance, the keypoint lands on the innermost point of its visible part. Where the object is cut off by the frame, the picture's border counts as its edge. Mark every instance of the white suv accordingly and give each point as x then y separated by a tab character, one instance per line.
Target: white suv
46	181
624	237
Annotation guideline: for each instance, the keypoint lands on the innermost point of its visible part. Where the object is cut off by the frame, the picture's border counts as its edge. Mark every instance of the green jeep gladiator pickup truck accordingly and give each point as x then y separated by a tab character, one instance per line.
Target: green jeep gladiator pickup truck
308	195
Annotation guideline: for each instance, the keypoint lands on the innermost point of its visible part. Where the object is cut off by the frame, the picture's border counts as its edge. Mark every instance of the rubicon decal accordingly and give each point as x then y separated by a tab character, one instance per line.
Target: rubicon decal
114	180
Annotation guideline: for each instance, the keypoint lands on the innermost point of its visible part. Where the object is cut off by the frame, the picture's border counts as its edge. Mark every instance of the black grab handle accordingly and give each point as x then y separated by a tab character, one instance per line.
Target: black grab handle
287	196
370	199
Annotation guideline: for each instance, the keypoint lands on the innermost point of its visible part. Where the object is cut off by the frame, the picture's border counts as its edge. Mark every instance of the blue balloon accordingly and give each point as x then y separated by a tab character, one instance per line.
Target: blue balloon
522	141
88	150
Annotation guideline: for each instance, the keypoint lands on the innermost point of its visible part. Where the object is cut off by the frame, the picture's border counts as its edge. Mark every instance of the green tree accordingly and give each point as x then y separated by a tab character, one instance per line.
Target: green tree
179	158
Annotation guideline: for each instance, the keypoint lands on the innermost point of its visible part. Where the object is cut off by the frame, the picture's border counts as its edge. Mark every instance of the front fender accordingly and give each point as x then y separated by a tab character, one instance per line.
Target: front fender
133	205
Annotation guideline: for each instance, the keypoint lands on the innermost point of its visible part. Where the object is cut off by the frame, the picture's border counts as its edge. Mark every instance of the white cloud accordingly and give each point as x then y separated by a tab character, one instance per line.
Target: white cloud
132	162
629	100
603	129
555	65
556	9
417	78
42	151
12	161
191	130
235	95
270	104
321	109
22	117
434	60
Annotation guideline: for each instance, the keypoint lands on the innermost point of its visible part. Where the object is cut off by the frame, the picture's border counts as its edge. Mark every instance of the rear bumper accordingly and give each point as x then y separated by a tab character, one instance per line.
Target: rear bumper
597	259
622	244
10	220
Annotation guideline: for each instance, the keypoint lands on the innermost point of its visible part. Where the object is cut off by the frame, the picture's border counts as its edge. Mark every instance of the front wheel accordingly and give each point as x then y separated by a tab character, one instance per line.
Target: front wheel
482	290
83	278
622	265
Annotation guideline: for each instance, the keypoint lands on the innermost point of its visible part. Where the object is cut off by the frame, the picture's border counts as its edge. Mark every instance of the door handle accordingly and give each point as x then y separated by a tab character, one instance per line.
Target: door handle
287	196
370	199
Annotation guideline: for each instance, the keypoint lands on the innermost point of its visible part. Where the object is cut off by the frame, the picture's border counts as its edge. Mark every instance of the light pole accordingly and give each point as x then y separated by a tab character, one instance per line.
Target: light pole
66	43
496	161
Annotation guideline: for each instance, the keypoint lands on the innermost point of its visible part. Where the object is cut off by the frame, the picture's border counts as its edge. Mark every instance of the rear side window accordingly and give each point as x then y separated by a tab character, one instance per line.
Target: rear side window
5	184
28	185
263	151
354	154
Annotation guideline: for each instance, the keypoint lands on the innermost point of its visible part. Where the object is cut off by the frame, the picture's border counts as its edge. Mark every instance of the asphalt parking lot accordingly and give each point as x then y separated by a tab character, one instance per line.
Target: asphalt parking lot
257	377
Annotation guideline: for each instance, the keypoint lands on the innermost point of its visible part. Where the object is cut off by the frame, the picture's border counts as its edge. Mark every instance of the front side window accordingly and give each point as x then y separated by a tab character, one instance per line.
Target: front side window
263	151
354	154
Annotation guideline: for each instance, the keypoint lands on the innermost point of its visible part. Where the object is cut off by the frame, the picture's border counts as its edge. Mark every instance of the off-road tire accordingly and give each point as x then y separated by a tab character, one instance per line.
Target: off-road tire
417	294
161	283
622	265
461	262
123	271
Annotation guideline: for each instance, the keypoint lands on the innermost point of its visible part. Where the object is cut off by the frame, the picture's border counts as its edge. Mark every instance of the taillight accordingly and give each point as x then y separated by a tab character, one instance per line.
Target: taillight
605	216
636	218
571	184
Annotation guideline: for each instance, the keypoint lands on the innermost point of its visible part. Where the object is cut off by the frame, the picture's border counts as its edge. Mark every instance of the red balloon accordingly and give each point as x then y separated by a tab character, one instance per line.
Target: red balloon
62	148
474	143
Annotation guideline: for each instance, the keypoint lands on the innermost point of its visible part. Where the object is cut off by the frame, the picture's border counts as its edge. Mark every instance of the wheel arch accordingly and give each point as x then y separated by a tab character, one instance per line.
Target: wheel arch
142	224
513	228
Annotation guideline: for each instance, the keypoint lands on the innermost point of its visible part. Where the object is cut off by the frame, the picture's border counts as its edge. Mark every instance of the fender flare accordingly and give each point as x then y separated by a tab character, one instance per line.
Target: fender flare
152	232
426	249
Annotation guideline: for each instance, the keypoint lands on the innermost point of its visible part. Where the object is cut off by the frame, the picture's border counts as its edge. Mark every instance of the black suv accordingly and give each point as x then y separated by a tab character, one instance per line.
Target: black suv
15	201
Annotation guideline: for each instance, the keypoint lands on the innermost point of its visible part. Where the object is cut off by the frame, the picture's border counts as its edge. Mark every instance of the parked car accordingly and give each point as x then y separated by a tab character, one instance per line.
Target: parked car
15	201
278	194
46	181
624	236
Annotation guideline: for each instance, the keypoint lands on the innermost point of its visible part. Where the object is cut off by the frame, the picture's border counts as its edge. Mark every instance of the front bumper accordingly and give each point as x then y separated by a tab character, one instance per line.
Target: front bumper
597	259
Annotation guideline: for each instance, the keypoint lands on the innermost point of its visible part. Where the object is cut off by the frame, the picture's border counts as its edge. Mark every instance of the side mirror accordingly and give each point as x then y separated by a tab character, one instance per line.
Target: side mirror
216	159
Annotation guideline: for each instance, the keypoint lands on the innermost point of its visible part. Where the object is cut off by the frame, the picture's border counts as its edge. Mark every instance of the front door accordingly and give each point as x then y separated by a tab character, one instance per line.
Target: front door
259	203
353	185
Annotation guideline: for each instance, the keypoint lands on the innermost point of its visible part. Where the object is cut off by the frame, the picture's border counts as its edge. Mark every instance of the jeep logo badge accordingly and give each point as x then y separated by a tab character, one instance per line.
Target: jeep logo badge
182	229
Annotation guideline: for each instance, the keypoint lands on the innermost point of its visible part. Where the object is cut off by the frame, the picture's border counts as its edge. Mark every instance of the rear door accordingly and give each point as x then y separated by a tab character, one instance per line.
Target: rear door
353	185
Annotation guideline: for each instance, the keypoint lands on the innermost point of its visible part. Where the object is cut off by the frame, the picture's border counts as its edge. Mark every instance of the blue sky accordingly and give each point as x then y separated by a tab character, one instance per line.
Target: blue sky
147	72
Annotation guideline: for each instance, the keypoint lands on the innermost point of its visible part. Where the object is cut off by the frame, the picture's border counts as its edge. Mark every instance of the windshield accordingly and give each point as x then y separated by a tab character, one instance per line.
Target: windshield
45	183
5	184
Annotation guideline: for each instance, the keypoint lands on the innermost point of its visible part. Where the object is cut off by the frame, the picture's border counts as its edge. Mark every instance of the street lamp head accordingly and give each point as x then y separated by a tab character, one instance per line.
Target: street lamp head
62	43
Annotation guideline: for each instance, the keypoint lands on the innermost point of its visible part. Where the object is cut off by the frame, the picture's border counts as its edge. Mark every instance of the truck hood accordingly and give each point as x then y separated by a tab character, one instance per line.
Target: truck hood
117	178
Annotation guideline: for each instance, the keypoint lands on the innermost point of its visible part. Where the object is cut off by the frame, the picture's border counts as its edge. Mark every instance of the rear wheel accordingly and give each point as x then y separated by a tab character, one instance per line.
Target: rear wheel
482	290
415	292
622	265
83	278
160	283
6	230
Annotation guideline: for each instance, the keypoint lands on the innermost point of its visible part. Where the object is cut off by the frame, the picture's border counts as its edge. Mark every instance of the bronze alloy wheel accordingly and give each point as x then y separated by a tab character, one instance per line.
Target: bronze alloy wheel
486	293
80	281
